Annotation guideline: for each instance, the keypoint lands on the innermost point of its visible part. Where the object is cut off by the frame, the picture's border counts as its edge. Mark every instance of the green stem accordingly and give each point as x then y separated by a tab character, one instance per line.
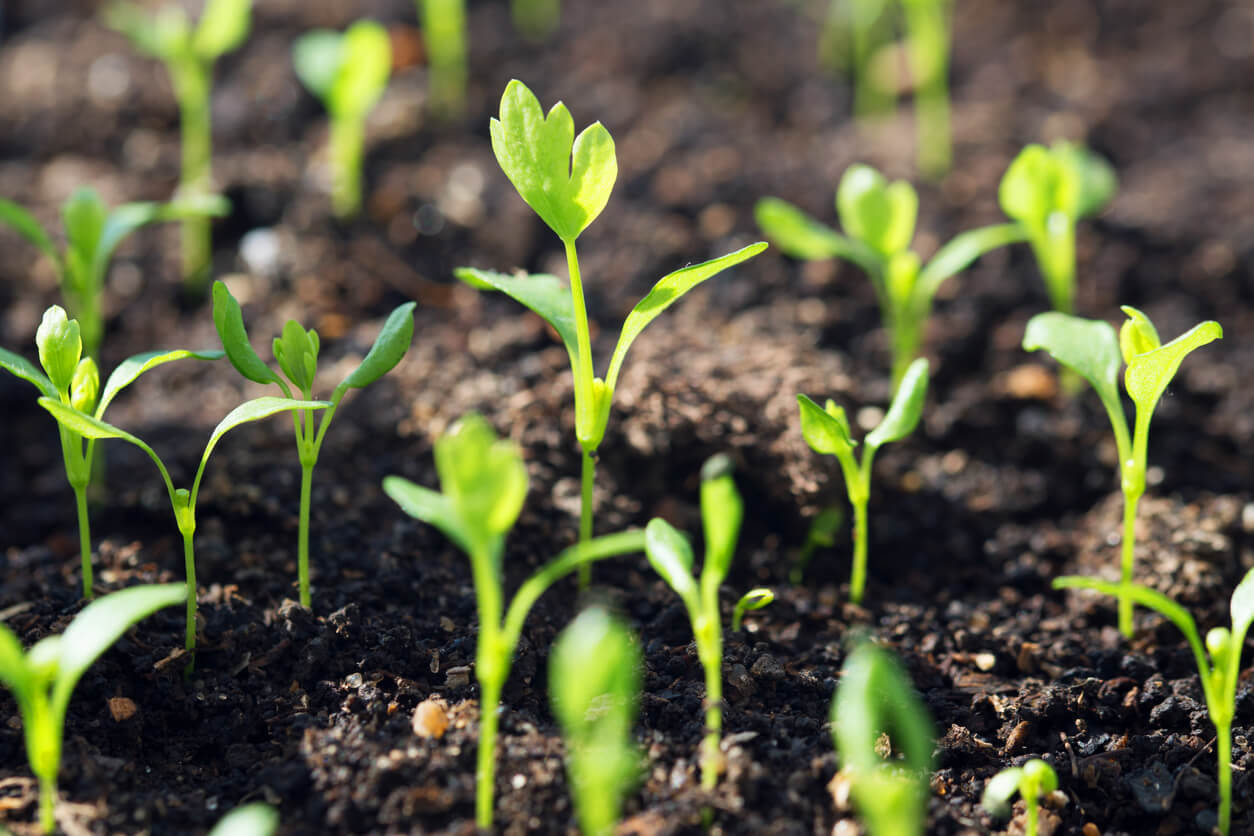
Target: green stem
713	718
189	568
588	481
485	770
857	581
1128	561
1223	744
191	86
347	143
302	537
1029	801
585	407
48	804
84	540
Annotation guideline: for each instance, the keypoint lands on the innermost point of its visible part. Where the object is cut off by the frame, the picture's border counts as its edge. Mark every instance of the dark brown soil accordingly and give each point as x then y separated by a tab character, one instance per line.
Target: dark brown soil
713	103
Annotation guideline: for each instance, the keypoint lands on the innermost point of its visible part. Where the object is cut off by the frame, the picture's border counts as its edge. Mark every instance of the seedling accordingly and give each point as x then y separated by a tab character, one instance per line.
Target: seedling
92	233
182	500
1090	348
483	484
671	556
567	181
878	218
536	20
189	53
255	819
827	431
822	534
875	698
43	679
296	351
73	379
348	73
594	688
754	599
1219	672
1034	779
444	36
1046	191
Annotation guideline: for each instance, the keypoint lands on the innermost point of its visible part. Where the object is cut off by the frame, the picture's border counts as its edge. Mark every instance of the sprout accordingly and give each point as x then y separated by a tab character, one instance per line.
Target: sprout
822	534
444	35
1090	348
43	679
536	20
1034	779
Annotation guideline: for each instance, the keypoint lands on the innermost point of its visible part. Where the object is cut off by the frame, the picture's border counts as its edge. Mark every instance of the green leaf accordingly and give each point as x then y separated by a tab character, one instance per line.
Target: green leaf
801	236
878	213
132	367
484	477
754	599
1242	609
60	346
125	219
85	425
1088	347
566	180
223	26
296	351
24	224
906	408
388	349
19	366
668	289
255	819
255	410
722	511
826	431
543	294
670	555
316	57
1036	185
1137	335
85	386
1095	177
1149	374
162	36
431	507
999	790
964	249
15	673
229	320
364	68
84	216
1139	594
594	675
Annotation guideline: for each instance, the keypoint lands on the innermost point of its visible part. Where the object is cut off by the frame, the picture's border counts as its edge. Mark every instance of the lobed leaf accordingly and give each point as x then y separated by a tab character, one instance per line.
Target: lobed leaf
543	294
223	26
906	408
801	236
388	349
19	366
24	224
1148	374
825	430
670	555
132	367
878	213
228	319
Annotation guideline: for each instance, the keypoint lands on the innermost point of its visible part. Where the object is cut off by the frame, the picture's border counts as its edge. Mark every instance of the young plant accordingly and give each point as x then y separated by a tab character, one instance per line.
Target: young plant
1219	671
875	698
822	534
73	379
189	53
444	35
1034	779
567	181
827	431
92	233
1046	191
594	688
1090	348
483	483
182	500
754	599
43	679
348	73
878	218
671	556
296	351
255	819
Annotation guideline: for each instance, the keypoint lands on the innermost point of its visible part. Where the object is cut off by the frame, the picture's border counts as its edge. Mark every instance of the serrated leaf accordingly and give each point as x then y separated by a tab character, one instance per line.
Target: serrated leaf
19	366
388	349
223	26
722	511
906	408
670	555
316	57
825	432
1149	374
228	319
566	180
132	367
364	68
878	213
664	294
801	236
24	224
431	507
1088	347
962	251
541	293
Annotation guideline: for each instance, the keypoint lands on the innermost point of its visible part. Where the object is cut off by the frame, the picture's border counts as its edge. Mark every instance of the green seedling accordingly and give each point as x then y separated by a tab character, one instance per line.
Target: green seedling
255	819
296	352
43	679
878	218
1220	671
92	233
483	483
822	534
1046	191
189	53
594	688
671	556
444	35
1034	779
182	500
1089	348
348	72
567	181
876	698
754	599
72	379
928	24
536	20
827	431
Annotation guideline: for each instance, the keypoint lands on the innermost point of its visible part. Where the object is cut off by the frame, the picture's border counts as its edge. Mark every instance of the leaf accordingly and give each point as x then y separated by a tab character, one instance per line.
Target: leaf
1242	609
543	294
430	506
801	236
388	349
223	26
906	408
132	367
85	425
594	676
670	555
362	74
964	249
161	36
999	790
255	819
878	213
1137	335
1139	594
754	599
255	410
1088	347
1094	175
1036	185
316	57
229	320
668	289
24	224
125	219
1148	374
826	431
14	671
722	511
19	366
84	216
60	346
566	180
296	351
483	476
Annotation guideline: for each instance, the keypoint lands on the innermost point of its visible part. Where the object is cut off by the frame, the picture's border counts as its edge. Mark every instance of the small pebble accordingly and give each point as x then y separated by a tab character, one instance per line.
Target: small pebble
430	719
121	708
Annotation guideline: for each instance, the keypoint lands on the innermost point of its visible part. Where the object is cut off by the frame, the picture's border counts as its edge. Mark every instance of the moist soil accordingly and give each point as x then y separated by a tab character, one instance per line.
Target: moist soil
713	103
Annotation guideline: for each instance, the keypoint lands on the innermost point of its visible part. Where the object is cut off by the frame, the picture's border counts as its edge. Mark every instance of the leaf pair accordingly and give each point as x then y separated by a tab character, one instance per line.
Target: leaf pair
169	35
347	71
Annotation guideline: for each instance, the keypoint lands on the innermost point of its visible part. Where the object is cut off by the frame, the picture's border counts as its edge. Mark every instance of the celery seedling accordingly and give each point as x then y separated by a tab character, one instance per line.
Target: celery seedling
182	500
444	35
43	679
483	483
1046	191
827	431
878	218
671	556
349	73
73	379
594	688
1219	671
874	698
296	351
92	233
189	53
567	181
1090	348
1032	780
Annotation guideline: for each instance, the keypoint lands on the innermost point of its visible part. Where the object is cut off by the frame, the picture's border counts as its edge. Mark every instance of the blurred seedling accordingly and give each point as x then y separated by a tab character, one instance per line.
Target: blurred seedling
1034	780
822	535
444	36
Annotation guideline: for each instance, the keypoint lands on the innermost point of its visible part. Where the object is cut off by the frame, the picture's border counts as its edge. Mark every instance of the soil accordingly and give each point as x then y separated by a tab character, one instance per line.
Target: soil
713	104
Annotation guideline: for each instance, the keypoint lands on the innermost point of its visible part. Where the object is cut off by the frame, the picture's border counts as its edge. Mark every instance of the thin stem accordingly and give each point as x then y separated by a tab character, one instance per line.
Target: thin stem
347	146
191	84
1128	562
713	726
857	581
84	540
1223	745
48	803
189	568
302	537
1029	801
585	409
485	770
588	481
